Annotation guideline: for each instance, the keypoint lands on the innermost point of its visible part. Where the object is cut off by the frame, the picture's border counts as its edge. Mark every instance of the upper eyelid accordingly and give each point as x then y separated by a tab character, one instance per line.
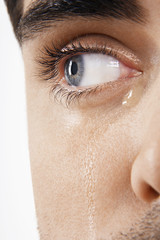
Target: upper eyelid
106	45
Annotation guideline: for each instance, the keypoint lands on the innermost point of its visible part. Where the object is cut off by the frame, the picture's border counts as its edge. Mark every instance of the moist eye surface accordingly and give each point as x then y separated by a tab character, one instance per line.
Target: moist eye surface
91	69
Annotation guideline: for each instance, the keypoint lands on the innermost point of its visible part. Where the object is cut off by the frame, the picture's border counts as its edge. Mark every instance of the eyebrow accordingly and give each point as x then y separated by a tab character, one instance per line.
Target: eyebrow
42	14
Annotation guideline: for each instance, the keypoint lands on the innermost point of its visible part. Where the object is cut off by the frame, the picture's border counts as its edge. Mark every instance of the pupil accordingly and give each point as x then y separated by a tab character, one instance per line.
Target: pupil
74	68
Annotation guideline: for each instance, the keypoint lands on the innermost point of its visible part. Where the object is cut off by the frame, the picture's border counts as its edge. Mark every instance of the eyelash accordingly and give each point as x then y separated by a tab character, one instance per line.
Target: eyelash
50	62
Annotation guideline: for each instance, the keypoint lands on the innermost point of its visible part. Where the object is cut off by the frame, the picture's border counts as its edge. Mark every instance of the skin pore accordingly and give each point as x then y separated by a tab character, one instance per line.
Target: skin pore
95	153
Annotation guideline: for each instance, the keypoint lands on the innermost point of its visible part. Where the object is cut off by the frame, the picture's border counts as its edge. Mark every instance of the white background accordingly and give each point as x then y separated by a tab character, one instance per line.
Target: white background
17	212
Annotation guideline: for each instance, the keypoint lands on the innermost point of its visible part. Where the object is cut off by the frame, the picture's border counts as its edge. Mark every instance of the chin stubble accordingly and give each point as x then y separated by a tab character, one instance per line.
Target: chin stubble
148	228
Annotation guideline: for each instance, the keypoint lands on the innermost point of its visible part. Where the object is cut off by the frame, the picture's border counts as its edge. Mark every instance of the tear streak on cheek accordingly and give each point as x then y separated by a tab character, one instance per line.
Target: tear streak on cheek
89	176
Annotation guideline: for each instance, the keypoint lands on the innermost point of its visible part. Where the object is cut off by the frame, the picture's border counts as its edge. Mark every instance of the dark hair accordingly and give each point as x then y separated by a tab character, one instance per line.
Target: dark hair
15	9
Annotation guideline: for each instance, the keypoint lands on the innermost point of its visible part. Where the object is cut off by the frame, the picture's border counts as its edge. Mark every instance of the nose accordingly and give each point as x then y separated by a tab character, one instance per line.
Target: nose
145	173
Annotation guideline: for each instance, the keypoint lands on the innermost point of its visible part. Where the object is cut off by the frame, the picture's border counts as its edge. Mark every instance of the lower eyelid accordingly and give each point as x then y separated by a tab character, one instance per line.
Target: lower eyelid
104	94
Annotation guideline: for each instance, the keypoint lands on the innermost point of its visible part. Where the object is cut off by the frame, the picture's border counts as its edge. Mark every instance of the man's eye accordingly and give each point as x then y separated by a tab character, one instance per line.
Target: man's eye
92	69
87	71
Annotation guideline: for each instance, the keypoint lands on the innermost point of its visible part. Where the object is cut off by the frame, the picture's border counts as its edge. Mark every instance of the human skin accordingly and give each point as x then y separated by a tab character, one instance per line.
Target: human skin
96	164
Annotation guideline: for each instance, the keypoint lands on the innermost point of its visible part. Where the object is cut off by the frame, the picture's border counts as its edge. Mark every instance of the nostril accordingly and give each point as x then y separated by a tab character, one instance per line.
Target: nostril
145	177
153	193
150	194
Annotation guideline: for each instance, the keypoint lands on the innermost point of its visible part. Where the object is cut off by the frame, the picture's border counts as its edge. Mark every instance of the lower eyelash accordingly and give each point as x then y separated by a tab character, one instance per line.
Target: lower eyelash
70	96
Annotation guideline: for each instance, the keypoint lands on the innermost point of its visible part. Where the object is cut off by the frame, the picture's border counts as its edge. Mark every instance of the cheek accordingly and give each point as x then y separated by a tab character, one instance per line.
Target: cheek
80	162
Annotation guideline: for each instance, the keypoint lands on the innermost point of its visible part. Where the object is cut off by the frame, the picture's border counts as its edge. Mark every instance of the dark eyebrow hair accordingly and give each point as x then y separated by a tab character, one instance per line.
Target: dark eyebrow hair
42	14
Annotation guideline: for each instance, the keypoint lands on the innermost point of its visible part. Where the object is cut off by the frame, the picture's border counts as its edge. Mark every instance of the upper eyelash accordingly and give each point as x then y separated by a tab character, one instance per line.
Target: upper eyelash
51	56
